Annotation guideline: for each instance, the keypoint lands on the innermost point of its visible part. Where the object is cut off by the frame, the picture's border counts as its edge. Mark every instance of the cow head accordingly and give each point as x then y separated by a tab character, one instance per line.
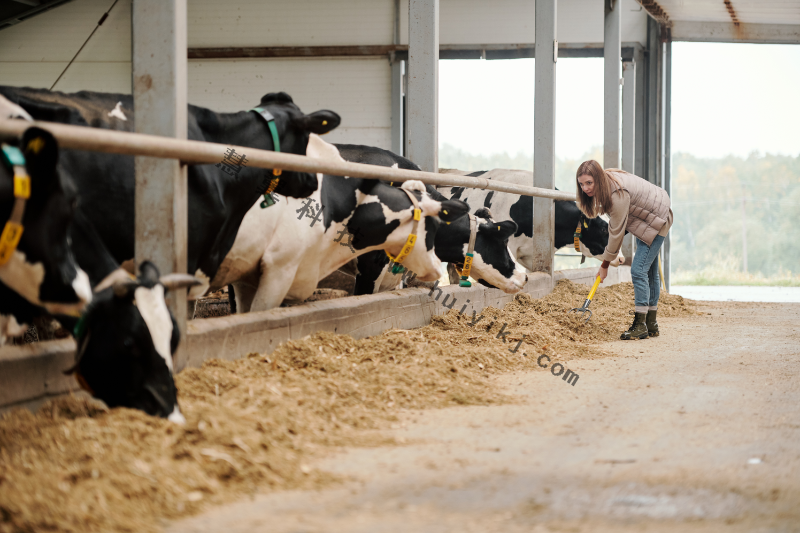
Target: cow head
42	269
125	344
594	238
492	264
295	128
392	215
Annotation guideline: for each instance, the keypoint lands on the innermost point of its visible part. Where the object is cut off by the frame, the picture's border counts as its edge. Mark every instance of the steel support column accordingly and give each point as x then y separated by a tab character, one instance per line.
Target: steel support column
612	65
422	136
667	154
652	115
159	95
628	134
398	71
639	112
544	125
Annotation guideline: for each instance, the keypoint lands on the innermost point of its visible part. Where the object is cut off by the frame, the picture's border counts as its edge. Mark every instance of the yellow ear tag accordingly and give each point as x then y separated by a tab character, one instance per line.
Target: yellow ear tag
324	122
9	239
35	145
417	214
585	225
498	228
444	211
22	186
276	172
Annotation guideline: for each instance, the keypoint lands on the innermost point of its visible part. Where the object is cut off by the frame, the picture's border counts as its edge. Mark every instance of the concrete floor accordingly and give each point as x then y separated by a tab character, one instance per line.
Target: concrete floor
696	430
737	293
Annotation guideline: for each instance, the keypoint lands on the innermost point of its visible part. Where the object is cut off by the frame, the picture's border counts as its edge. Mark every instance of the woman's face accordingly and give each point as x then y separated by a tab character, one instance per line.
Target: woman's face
587	184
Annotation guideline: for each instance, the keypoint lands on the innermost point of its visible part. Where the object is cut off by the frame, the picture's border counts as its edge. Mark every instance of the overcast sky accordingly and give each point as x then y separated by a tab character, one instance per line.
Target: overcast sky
726	99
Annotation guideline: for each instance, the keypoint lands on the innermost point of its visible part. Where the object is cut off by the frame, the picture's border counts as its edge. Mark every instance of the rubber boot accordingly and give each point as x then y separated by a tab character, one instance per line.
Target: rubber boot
638	329
652	325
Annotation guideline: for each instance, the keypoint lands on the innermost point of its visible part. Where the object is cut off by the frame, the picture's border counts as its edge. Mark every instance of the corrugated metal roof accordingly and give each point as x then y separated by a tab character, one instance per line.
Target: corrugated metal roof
744	11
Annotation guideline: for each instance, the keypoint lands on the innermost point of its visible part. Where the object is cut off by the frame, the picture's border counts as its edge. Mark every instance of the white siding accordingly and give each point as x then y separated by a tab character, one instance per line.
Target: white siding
290	22
357	89
34	52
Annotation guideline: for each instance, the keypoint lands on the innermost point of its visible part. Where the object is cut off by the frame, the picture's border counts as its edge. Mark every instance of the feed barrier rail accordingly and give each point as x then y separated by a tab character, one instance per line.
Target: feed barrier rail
200	152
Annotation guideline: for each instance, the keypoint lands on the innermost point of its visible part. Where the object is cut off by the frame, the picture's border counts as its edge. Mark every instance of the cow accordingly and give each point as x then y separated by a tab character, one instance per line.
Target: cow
219	195
126	340
594	232
40	268
126	336
492	264
279	255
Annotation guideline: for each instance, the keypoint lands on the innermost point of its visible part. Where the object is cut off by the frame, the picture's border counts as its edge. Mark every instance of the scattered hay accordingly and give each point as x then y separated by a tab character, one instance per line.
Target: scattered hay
256	422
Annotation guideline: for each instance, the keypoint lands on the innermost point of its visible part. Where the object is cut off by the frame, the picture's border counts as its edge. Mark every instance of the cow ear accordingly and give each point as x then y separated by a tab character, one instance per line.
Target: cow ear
484	212
453	210
319	122
504	229
124	289
173	282
41	154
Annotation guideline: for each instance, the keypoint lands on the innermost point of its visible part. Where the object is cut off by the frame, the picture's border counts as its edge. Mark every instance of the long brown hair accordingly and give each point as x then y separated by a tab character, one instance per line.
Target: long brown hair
605	185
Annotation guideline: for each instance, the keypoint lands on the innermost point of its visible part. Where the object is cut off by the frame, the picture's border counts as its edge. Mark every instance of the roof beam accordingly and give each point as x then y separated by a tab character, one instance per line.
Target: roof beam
729	32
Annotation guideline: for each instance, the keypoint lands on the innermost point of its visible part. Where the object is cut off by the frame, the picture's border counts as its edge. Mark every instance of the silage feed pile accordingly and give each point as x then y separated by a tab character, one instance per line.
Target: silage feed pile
256	423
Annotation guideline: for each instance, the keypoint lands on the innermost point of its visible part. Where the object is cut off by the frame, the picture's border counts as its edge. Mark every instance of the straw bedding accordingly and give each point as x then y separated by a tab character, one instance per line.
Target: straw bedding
256	423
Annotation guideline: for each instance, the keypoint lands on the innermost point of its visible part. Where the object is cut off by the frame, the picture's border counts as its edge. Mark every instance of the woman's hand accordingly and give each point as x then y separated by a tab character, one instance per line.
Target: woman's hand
602	272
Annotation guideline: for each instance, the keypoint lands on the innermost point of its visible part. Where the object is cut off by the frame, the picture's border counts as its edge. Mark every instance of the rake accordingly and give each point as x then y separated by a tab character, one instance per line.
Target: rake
585	307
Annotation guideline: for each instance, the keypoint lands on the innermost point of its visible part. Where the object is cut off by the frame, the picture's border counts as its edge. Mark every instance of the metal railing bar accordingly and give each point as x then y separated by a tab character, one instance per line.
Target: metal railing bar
199	152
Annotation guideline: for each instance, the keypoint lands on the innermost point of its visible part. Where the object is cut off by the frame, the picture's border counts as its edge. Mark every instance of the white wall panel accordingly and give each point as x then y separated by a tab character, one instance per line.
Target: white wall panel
358	89
34	52
290	22
57	34
96	76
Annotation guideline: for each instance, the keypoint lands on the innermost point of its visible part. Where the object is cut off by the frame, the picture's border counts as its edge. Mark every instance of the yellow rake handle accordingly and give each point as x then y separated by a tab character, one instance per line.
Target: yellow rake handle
594	288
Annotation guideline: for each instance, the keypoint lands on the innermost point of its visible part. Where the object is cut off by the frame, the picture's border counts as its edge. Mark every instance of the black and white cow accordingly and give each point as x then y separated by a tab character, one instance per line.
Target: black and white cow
492	265
42	269
279	255
219	196
126	341
126	336
594	238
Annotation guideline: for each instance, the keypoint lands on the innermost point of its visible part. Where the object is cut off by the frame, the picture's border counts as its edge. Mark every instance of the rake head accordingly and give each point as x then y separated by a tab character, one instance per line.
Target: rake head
582	311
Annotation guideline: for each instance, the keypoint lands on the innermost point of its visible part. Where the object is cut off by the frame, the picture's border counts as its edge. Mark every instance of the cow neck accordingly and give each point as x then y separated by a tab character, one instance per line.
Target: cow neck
577	239
237	129
408	247
465	272
269	200
12	231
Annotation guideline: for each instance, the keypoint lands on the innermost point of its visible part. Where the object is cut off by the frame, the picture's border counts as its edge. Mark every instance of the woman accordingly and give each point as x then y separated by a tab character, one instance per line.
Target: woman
641	208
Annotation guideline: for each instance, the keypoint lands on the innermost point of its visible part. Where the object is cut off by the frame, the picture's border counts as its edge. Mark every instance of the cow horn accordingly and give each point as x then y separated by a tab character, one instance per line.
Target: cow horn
172	282
123	288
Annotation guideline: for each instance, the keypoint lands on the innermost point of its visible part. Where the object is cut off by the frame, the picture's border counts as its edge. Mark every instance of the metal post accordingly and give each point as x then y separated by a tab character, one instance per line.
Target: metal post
544	139
398	71
640	137
653	94
422	136
667	157
612	79
159	95
628	134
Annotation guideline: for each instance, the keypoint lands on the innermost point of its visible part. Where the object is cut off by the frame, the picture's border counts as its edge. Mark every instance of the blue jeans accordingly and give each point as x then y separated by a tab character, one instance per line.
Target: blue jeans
644	273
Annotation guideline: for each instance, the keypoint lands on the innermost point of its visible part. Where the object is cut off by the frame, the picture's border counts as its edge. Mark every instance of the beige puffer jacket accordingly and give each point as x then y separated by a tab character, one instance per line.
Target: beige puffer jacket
643	209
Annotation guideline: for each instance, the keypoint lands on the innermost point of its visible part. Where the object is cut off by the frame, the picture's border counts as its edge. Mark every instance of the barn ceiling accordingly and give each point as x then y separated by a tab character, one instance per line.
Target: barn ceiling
736	11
